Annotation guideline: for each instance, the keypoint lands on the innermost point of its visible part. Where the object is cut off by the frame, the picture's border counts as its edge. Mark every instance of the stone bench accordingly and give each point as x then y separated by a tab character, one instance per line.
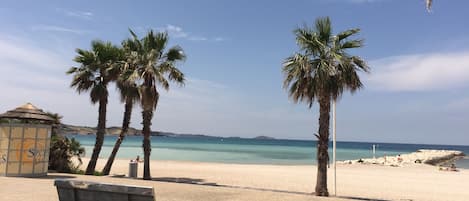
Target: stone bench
73	190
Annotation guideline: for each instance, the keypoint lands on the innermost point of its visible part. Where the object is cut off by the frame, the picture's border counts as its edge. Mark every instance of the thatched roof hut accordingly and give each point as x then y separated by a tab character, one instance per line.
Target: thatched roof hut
25	137
27	112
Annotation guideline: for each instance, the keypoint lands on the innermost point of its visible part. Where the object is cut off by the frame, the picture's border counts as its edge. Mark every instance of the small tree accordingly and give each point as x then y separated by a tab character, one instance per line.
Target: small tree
62	150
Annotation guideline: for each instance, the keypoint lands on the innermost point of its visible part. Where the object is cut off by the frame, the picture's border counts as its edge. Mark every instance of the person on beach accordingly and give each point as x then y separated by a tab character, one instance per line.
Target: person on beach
399	159
453	168
450	168
136	160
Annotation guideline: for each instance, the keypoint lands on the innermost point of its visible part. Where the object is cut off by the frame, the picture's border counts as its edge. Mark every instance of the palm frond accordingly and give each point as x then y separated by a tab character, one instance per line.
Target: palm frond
152	66
345	34
175	54
98	92
351	44
98	67
323	68
324	29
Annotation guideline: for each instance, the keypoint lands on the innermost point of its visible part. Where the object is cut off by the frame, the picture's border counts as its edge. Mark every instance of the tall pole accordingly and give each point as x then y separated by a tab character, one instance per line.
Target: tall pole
334	146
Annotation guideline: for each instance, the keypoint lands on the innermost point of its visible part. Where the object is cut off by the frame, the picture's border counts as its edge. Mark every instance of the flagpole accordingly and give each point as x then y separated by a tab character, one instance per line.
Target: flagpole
334	145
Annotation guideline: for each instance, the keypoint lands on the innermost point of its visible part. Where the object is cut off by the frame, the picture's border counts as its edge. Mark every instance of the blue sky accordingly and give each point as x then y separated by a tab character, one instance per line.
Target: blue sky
417	91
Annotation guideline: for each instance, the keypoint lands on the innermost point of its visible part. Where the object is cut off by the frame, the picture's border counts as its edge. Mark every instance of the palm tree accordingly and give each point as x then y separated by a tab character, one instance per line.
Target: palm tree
153	67
92	76
129	95
320	72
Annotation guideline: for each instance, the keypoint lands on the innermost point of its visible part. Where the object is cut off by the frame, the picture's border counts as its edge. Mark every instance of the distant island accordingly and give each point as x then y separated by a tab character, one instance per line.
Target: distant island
262	137
65	129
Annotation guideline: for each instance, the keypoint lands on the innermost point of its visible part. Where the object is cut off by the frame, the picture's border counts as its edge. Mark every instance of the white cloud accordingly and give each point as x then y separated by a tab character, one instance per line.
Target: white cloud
30	73
178	32
14	52
421	72
219	39
174	31
77	14
196	38
53	28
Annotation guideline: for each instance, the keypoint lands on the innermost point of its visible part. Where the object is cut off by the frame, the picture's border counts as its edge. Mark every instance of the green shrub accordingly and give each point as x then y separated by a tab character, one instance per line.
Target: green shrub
62	150
78	171
96	173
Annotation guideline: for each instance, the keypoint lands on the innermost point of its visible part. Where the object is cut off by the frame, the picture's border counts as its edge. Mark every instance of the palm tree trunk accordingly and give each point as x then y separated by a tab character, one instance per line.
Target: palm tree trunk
147	115
99	136
322	146
125	127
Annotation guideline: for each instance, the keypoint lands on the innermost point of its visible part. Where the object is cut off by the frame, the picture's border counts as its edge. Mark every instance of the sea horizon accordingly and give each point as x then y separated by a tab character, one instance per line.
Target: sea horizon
252	151
179	135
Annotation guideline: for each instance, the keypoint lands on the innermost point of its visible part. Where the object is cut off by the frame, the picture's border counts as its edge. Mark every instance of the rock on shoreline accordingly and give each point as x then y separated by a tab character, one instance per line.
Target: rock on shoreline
426	156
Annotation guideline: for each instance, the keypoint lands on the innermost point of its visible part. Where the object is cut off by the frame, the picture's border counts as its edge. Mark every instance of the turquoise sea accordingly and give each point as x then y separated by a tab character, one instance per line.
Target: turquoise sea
251	151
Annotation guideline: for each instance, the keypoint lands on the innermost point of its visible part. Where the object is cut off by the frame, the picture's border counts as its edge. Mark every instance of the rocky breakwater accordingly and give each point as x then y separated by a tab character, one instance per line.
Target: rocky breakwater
425	156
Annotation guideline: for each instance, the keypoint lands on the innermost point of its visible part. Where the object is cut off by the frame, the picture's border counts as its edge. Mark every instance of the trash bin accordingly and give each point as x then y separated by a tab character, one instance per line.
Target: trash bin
133	167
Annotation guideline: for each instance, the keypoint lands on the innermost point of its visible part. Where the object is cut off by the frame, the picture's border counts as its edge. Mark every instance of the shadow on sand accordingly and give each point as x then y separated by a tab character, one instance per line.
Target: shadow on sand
201	182
55	177
365	199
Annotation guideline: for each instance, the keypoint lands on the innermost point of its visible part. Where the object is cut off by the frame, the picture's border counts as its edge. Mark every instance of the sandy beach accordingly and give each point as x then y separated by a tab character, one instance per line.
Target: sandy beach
234	100
213	181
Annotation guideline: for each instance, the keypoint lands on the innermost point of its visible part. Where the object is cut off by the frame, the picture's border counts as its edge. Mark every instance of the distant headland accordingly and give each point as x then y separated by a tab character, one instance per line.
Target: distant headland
65	129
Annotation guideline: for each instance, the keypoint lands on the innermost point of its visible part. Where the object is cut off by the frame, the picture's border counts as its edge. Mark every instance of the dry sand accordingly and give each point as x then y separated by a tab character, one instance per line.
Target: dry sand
176	181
